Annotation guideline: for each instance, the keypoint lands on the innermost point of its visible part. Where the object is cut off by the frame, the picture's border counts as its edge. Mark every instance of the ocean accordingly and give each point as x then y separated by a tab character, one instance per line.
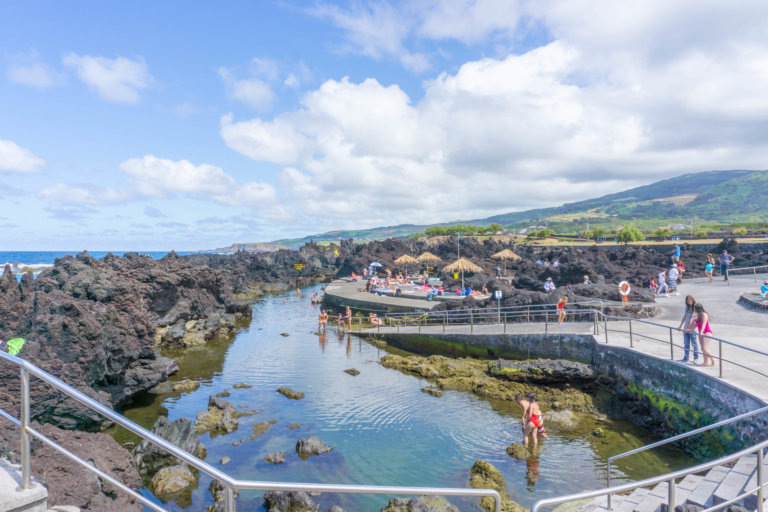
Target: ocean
38	260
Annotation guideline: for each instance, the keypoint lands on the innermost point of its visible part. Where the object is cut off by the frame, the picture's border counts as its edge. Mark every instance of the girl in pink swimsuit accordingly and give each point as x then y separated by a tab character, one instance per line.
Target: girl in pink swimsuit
702	322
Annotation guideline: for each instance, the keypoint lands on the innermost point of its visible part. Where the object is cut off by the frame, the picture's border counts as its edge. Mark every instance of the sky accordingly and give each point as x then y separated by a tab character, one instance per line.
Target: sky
192	125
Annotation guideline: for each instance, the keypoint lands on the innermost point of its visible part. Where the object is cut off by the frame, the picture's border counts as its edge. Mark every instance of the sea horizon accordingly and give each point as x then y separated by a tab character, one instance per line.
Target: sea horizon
36	258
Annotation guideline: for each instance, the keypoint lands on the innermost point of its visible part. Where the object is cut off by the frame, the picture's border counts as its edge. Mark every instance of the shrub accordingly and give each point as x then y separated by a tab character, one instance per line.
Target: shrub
740	231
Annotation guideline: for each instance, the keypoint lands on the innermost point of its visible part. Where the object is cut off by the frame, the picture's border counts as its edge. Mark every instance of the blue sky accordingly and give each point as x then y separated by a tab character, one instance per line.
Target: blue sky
186	125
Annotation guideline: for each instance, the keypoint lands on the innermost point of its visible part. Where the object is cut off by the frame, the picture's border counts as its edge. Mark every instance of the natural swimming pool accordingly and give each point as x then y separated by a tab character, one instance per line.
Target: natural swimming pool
383	428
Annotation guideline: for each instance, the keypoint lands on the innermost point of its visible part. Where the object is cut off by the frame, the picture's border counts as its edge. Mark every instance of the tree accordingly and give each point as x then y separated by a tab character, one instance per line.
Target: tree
630	234
663	233
597	233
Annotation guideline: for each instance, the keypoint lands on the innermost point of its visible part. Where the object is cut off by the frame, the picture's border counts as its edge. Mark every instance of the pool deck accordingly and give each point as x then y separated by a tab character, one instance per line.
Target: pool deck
729	320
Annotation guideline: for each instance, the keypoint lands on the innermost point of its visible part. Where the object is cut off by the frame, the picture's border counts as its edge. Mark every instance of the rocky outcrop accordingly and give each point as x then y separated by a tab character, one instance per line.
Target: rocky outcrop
352	371
289	393
564	420
289	501
150	458
307	446
220	418
172	480
69	483
544	371
484	476
472	375
218	494
419	504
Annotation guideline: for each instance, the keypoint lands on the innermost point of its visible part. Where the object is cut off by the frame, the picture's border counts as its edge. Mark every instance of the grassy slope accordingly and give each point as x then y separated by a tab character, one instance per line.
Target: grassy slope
722	196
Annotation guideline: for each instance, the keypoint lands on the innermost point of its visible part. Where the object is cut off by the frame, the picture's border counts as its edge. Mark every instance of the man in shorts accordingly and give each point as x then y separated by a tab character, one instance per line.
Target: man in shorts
673	274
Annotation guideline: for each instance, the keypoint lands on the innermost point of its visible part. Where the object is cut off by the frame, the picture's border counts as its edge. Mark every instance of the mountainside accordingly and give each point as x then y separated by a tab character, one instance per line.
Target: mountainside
708	197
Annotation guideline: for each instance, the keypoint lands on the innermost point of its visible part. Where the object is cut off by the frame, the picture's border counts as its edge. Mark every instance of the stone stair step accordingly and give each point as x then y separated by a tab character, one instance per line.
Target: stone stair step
750	502
702	493
12	498
690	482
653	501
735	481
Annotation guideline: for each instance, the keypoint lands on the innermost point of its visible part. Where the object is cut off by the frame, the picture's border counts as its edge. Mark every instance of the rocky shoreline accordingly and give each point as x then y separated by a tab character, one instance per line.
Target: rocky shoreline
99	325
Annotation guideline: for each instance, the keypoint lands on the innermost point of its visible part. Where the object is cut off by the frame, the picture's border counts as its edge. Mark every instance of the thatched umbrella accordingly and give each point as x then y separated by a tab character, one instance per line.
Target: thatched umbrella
462	265
428	257
505	255
406	259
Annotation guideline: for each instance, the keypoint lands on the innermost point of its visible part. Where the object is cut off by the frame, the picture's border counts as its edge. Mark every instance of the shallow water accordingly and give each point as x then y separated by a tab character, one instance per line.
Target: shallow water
384	429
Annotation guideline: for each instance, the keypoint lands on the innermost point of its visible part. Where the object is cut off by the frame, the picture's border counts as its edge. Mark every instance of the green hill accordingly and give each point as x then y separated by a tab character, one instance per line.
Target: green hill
712	197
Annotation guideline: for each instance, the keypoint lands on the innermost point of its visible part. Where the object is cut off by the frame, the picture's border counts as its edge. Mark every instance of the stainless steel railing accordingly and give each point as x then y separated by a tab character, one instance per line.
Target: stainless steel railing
230	484
671	480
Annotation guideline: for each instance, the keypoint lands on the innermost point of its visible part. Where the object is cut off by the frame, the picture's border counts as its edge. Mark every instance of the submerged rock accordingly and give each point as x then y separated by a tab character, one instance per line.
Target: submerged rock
517	451
242	385
261	428
275	458
598	432
172	480
307	446
432	390
295	425
289	393
149	458
289	501
352	371
284	334
225	460
223	394
419	504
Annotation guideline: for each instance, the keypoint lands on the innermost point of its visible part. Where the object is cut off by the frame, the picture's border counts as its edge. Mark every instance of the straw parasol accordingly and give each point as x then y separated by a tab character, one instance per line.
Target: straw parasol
462	265
505	255
428	257
406	259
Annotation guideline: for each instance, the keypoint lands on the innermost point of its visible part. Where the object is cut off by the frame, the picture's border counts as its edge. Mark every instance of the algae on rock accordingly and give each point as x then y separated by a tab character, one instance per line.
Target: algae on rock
484	476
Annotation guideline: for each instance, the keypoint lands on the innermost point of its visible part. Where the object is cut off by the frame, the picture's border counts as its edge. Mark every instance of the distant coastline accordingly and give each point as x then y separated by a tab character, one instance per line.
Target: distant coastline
46	258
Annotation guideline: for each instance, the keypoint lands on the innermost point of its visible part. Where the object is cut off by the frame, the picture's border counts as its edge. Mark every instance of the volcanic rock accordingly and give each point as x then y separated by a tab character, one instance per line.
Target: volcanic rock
517	451
293	501
289	393
352	371
307	446
419	504
275	458
544	371
564	419
485	476
172	480
180	432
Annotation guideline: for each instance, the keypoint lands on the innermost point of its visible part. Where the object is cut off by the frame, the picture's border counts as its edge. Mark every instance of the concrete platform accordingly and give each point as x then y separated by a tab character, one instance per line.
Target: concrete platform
13	498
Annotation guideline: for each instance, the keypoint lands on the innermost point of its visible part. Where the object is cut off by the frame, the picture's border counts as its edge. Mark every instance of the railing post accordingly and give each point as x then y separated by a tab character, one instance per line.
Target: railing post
471	322
528	314
546	322
594	323
26	470
754	271
608	480
445	321
605	328
229	499
671	495
418	323
631	342
505	323
671	346
760	479
720	356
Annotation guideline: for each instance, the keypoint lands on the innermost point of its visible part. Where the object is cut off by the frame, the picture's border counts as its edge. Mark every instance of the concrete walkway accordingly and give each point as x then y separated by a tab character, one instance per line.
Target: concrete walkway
728	320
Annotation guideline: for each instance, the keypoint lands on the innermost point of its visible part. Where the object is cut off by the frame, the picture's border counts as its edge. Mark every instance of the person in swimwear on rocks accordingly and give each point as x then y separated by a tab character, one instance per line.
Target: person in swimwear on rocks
535	420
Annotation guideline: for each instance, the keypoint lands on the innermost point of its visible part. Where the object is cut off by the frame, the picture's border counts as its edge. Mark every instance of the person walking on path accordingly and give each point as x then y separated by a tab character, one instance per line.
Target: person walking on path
702	323
725	261
710	268
561	309
688	326
676	253
662	286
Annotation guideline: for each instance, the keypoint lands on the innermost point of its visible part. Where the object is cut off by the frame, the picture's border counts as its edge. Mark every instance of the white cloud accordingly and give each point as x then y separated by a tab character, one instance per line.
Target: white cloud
469	21
160	177
82	195
17	159
254	92
567	120
118	80
27	69
299	77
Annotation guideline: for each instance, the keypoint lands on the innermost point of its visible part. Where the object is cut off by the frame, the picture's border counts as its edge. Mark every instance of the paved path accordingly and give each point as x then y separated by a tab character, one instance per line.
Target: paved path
729	321
344	292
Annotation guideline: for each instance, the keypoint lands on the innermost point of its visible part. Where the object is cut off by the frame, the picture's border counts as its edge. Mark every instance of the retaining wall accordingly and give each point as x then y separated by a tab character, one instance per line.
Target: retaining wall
678	383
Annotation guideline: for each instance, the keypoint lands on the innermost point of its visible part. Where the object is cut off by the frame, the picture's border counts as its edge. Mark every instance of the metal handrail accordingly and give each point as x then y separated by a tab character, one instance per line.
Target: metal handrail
468	310
668	477
230	484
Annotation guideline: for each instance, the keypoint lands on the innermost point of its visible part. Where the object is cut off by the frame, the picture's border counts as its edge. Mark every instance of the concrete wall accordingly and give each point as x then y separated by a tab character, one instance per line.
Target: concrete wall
681	384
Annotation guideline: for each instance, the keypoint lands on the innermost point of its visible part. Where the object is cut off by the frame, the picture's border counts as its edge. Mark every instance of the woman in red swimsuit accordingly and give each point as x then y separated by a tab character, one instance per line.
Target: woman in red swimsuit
535	420
561	309
702	322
